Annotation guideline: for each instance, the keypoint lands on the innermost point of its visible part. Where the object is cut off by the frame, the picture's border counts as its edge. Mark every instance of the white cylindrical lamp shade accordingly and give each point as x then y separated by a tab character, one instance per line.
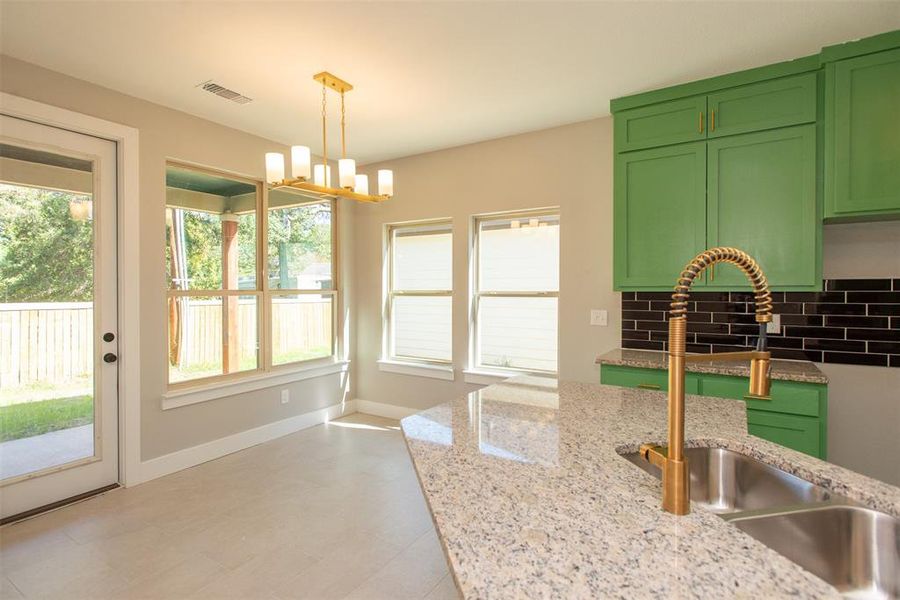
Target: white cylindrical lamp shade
322	176
300	163
385	182
362	184
347	172
274	167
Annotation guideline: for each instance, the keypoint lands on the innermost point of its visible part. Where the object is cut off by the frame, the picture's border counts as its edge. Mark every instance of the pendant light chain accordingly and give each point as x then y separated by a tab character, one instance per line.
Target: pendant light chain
343	117
324	138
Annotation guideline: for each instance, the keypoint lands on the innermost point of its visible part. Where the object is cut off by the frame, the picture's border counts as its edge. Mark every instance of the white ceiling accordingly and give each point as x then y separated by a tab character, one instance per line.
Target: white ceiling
427	75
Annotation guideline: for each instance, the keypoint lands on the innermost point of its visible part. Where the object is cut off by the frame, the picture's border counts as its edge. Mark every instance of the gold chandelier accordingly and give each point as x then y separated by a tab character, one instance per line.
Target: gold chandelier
316	179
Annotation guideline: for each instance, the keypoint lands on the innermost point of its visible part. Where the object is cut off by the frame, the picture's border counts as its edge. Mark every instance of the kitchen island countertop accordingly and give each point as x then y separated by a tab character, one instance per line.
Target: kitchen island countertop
531	498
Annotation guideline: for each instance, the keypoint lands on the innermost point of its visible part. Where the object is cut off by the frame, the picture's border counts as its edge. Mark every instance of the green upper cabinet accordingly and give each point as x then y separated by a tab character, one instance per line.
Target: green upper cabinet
661	124
784	147
660	213
761	198
766	105
862	137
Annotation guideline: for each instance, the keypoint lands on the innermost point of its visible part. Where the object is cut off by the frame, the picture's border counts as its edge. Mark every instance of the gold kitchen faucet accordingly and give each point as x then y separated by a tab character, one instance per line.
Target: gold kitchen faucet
675	473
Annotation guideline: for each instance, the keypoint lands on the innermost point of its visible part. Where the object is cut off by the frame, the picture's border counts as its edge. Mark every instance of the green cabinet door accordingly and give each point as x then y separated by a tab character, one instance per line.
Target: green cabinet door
762	199
659	214
862	137
766	105
661	124
794	431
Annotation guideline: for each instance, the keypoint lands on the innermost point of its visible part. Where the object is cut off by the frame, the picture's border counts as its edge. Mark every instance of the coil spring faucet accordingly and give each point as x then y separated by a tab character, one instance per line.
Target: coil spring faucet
671	460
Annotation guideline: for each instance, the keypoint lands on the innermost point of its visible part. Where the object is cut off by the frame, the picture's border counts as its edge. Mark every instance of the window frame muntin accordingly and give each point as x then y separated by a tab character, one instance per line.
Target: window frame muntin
262	292
476	294
388	345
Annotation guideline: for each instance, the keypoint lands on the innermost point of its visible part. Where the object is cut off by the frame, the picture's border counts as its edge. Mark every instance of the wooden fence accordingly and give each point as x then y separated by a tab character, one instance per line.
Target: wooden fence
45	342
51	342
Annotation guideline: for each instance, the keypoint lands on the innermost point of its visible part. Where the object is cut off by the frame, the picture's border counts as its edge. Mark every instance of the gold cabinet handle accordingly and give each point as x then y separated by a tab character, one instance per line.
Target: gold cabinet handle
712	115
649	386
755	397
700	122
712	272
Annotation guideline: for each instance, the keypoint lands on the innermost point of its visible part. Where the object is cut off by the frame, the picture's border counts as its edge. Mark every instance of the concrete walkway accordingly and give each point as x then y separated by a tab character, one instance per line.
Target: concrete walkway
48	450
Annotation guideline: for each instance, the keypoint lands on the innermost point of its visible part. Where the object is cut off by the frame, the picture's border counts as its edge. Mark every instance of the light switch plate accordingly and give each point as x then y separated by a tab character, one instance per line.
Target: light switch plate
774	326
285	396
599	317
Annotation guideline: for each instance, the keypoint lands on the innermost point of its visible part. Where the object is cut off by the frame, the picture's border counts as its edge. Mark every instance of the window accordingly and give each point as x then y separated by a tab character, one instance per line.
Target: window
516	292
301	277
420	289
231	313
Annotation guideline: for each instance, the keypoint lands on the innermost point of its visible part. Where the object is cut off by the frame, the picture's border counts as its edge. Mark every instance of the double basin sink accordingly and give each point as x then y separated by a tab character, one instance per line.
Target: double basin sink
855	549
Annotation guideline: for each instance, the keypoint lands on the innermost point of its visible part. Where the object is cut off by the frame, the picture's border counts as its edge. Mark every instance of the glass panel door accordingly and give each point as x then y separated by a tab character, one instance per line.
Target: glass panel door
57	314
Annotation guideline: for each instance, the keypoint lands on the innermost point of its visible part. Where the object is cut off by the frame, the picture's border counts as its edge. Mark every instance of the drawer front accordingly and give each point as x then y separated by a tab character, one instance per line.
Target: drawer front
661	124
788	397
766	105
796	432
651	379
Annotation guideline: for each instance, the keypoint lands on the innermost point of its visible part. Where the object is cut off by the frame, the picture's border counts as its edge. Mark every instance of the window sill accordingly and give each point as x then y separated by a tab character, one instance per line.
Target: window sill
485	377
214	391
417	369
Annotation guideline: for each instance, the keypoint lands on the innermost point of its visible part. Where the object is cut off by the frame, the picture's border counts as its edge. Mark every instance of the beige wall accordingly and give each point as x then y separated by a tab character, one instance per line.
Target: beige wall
863	402
169	134
545	168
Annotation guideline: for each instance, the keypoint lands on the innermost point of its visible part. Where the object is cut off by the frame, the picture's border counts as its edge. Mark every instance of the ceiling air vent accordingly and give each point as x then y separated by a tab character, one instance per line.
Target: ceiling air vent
223	92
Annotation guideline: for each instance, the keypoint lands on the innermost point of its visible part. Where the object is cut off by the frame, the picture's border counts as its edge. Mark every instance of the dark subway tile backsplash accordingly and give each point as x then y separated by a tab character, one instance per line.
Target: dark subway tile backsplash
860	284
854	321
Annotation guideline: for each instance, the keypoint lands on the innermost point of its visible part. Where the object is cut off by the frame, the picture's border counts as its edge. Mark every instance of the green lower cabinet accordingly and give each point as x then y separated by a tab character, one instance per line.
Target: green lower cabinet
648	379
796	416
794	431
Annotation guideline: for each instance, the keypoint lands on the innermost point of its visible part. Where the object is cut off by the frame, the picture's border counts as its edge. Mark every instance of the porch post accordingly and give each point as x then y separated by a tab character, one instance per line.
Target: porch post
231	343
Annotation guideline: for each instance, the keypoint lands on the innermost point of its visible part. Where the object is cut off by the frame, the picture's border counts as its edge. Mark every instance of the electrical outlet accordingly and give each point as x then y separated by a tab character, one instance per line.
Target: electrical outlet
285	396
774	326
599	317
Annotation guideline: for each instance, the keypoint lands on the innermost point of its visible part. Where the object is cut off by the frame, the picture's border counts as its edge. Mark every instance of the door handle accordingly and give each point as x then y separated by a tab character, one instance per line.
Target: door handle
712	115
109	336
109	357
700	122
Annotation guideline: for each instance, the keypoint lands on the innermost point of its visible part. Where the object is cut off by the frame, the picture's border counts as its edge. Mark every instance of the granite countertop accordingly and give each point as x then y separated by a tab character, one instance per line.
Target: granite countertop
531	498
785	370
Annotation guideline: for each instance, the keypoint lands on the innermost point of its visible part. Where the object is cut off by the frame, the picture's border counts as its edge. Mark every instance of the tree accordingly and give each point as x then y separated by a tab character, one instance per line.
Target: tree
45	254
298	237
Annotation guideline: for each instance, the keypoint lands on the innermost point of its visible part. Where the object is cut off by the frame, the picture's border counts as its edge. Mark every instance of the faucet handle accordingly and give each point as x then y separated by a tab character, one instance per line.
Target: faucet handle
654	454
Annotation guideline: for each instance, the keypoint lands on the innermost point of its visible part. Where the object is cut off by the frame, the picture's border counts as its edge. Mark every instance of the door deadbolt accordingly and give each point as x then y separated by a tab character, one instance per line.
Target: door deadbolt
109	336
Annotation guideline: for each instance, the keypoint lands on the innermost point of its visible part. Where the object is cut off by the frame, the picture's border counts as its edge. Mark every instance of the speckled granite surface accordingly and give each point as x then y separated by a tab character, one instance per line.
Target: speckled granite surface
785	370
531	498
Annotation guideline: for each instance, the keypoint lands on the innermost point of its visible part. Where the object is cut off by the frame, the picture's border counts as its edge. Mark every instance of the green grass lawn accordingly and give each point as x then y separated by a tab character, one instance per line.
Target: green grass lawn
34	418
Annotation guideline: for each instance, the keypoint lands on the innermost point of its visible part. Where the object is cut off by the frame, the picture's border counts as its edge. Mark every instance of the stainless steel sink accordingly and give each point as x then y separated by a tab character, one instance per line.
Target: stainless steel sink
855	549
727	482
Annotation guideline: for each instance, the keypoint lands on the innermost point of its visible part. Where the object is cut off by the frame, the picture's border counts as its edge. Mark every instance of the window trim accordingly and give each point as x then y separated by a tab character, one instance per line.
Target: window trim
475	370
182	393
390	361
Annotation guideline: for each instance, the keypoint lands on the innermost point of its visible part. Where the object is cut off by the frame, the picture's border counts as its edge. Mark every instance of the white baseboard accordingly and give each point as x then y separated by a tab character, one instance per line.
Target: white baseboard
380	409
195	455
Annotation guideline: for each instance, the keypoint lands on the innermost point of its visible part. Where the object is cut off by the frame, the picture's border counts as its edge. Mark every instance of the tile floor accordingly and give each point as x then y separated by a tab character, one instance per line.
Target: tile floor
333	511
